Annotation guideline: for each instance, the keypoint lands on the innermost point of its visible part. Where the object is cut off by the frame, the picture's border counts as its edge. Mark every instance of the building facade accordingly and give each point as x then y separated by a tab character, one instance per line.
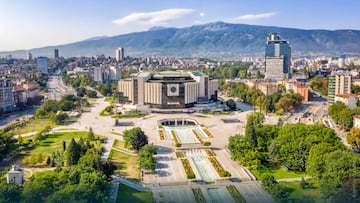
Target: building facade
339	83
356	120
42	64
168	90
6	96
56	53
350	100
277	57
15	175
119	54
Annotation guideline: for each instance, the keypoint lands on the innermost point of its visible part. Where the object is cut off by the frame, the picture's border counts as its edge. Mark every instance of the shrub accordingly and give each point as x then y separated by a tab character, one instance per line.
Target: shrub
190	175
225	173
178	145
207	143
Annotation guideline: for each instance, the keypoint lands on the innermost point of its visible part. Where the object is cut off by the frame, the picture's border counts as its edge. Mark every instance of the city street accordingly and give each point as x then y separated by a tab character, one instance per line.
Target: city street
57	88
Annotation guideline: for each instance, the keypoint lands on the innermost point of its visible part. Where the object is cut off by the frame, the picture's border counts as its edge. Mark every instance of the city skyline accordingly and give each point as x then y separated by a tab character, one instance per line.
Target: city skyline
67	21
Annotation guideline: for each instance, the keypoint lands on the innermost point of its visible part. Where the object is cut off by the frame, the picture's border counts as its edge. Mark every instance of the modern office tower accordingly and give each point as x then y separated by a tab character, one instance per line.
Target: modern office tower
114	74
277	57
339	83
98	74
119	54
6	96
169	89
56	53
42	64
30	56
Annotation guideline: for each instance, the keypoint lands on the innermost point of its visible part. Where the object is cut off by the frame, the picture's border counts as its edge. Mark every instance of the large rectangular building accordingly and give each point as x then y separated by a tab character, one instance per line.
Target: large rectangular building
339	83
277	57
6	96
169	89
42	64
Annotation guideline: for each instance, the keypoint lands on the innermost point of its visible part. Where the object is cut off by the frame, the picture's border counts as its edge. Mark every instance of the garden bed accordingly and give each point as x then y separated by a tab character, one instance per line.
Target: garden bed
219	169
188	170
235	194
199	196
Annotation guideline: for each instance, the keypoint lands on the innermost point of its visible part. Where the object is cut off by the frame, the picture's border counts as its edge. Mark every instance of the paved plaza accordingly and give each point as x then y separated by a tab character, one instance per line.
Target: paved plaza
169	169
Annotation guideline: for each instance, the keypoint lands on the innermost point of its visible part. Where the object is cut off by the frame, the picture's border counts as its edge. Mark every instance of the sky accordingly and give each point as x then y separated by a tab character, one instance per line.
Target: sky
27	24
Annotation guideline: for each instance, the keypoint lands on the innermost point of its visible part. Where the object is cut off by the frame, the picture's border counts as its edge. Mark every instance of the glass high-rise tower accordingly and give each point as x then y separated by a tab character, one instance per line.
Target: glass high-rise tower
277	57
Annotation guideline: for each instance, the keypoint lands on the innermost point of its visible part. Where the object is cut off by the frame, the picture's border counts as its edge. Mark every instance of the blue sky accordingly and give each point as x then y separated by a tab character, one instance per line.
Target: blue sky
26	24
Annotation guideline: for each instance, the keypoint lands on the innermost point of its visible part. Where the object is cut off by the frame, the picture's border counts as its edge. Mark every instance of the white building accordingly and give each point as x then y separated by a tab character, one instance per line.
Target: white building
98	74
349	100
114	74
42	64
119	54
15	175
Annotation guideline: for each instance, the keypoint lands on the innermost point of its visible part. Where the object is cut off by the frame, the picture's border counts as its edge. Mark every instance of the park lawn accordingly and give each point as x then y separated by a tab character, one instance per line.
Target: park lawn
92	100
35	124
277	172
116	133
118	143
298	194
53	142
128	194
127	164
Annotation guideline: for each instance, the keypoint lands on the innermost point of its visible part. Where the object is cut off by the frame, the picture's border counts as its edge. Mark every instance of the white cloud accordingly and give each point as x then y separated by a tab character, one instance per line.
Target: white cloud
256	16
202	14
154	18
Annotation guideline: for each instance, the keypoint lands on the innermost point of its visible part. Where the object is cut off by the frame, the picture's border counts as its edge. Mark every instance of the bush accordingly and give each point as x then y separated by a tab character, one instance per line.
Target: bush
207	143
190	175
225	174
178	145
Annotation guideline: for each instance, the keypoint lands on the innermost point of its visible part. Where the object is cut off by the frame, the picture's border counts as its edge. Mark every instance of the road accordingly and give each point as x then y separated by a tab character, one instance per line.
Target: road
8	119
57	88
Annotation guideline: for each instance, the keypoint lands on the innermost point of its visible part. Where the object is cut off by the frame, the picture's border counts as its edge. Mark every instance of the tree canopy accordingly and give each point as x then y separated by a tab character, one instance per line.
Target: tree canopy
135	137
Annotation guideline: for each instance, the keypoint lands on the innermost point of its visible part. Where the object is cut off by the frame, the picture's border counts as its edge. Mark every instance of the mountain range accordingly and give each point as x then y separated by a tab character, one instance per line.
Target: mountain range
212	40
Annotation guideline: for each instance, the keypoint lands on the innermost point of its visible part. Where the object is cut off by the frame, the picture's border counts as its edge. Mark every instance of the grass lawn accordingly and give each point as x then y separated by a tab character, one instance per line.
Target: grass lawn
277	172
127	164
128	194
118	143
92	100
298	194
116	133
53	142
36	124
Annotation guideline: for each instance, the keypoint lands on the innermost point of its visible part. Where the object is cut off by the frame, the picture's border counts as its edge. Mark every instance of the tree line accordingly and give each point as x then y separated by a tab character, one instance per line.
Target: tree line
314	149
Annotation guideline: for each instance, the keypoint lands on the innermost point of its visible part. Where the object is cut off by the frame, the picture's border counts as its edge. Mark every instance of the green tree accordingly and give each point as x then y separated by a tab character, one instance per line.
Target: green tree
60	118
355	89
73	153
253	120
91	135
135	137
315	163
9	192
146	159
353	137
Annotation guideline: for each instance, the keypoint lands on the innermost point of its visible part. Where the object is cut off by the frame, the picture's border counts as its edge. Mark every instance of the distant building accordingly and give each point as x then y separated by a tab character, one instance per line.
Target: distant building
56	53
42	64
30	56
277	57
119	54
350	100
339	83
15	175
267	87
356	121
6	96
98	74
169	89
302	89
114	74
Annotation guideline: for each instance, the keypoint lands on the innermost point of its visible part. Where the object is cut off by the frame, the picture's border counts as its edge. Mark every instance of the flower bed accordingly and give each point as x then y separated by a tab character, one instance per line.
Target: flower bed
235	194
219	169
188	170
198	136
175	138
199	196
207	133
180	154
161	133
210	152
